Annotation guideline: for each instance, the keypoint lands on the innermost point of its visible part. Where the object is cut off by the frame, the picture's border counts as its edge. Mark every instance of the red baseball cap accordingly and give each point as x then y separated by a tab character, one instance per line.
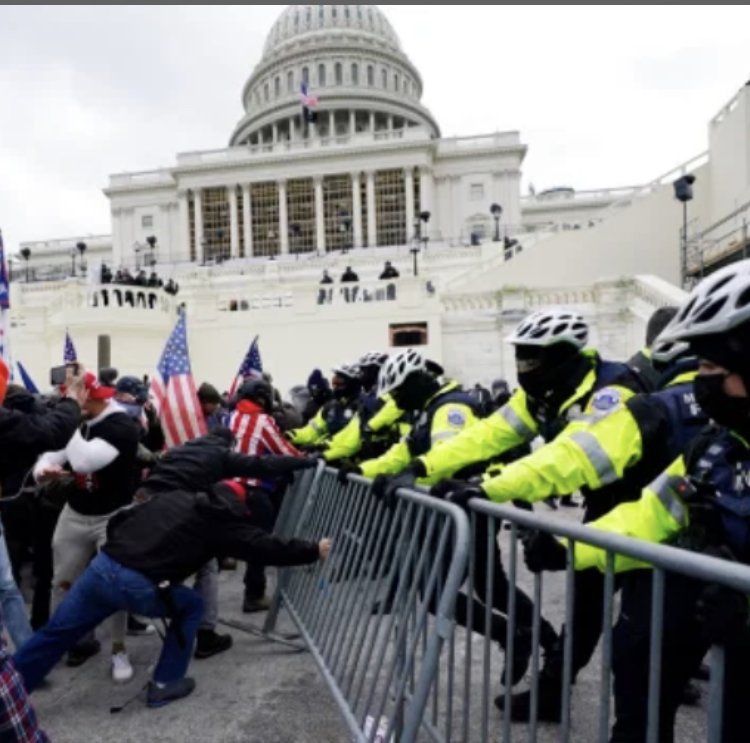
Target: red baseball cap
96	390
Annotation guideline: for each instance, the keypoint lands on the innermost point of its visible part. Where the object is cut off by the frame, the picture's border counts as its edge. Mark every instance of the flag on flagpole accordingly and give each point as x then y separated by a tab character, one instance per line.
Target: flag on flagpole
174	391
26	379
251	366
4	309
70	356
309	102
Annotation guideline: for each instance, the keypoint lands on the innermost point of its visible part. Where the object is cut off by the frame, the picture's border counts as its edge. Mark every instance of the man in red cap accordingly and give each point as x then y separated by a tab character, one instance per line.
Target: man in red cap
102	457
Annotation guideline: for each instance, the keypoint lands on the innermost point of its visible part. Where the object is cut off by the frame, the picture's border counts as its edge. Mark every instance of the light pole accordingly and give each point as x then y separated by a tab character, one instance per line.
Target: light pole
151	242
497	212
81	248
26	255
683	191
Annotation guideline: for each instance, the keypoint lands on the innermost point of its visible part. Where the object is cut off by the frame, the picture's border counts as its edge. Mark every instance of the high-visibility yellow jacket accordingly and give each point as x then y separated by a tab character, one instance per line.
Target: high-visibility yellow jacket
348	443
332	418
443	418
520	421
720	459
632	443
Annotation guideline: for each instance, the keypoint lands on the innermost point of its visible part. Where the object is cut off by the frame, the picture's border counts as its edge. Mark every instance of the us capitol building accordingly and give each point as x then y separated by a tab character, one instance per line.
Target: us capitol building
360	177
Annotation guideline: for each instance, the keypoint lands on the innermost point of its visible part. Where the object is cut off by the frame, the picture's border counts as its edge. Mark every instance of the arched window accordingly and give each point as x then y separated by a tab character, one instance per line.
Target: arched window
396	83
370	75
355	74
266	92
306	75
277	87
339	74
334	12
290	82
384	78
321	74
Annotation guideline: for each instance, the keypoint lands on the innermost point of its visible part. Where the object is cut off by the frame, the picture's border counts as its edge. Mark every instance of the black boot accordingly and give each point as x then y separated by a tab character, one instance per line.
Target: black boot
522	648
568	502
549	702
255	605
80	653
210	643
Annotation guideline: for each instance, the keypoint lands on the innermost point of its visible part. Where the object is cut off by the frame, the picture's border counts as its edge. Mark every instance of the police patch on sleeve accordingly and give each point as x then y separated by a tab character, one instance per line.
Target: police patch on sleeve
456	418
606	400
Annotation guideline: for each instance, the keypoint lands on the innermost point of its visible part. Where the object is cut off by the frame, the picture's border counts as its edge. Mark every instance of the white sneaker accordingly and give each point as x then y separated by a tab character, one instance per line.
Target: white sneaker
122	671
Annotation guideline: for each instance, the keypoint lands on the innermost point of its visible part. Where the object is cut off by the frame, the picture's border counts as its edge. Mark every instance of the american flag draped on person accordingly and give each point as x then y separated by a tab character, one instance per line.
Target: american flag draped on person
175	393
252	366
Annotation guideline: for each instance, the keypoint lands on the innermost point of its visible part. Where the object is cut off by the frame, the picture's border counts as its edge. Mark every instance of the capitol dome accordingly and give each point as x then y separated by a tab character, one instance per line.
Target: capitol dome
354	64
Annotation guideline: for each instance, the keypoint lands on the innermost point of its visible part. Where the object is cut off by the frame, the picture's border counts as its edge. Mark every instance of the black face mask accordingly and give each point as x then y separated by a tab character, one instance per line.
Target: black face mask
538	383
731	412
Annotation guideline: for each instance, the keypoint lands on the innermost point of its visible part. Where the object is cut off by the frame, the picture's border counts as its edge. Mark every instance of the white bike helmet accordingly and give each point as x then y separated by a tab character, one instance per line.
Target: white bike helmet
350	371
549	327
398	368
717	305
666	352
374	358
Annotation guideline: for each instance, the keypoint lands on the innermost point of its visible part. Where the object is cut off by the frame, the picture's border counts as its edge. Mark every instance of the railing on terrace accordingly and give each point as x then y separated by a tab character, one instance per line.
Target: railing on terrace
727	238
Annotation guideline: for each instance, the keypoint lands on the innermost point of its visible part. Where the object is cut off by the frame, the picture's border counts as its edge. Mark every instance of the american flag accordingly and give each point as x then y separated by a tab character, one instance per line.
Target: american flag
4	308
70	356
308	101
174	391
252	366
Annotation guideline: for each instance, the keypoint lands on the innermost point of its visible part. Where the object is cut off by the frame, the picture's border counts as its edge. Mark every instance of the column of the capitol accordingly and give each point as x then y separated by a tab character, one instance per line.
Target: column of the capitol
247	211
372	217
320	223
410	206
234	222
283	219
357	209
199	237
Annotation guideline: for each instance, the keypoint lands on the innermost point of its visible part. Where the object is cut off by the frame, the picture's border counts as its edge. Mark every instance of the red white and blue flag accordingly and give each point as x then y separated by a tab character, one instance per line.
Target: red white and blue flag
4	309
70	355
251	366
174	391
308	100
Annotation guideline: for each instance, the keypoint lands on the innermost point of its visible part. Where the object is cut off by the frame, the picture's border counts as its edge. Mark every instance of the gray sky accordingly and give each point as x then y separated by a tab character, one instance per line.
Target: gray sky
604	95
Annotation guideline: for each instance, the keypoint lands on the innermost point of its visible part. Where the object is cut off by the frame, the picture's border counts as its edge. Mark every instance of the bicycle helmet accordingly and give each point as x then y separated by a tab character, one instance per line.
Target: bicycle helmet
717	305
348	371
667	352
374	358
550	327
398	368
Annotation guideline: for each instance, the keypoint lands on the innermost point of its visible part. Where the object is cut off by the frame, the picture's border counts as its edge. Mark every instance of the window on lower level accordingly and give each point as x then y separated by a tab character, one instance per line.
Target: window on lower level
384	76
147	221
355	74
477	191
339	74
370	75
266	92
321	75
409	336
396	83
277	87
290	82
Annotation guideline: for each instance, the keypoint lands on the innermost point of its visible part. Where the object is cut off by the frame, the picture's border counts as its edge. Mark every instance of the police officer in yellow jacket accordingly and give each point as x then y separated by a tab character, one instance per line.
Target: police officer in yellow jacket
701	503
610	457
559	380
442	411
336	414
375	427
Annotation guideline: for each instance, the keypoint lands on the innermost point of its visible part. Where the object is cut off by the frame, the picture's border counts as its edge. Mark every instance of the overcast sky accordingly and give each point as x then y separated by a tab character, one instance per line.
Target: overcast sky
604	95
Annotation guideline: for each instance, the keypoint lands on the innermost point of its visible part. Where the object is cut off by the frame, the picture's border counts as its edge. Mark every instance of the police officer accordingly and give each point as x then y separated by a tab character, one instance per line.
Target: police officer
374	429
701	503
610	456
337	413
642	361
558	380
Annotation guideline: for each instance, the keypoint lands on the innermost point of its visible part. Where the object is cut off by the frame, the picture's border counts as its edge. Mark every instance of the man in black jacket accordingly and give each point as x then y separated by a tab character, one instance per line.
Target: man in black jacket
187	518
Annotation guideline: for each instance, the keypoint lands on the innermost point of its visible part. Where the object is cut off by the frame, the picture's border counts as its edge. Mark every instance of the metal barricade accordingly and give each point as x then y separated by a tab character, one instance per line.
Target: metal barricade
490	603
377	615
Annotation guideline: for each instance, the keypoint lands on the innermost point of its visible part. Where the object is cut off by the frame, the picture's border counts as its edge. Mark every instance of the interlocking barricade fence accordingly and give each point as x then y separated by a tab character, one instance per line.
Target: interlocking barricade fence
480	722
377	615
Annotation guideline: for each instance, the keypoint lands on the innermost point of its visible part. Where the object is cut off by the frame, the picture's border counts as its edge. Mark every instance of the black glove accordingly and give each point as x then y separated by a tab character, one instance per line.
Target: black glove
723	614
275	466
385	487
465	492
542	552
348	469
444	488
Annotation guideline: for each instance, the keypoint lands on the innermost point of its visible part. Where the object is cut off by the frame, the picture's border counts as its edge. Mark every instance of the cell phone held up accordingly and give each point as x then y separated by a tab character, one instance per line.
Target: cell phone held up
58	376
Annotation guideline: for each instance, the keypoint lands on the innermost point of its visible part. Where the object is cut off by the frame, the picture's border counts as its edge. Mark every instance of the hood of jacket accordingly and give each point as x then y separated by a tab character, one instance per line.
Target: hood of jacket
220	504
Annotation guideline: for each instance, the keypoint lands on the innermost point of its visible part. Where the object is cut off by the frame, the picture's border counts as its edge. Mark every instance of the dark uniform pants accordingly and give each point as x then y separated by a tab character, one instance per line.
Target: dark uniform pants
263	514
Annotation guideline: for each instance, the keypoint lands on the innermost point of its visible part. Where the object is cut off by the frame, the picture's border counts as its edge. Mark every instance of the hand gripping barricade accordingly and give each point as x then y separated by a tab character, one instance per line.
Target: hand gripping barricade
377	615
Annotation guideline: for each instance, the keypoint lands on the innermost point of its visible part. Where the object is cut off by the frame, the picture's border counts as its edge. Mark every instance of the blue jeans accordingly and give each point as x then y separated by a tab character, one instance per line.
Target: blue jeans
107	587
11	601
